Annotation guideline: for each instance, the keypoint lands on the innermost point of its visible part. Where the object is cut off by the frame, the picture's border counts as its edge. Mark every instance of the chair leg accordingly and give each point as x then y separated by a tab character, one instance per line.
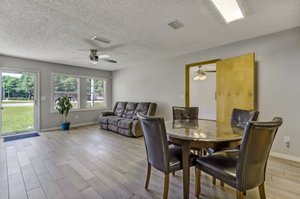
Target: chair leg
239	194
148	176
222	183
166	186
198	182
173	173
214	180
245	193
262	193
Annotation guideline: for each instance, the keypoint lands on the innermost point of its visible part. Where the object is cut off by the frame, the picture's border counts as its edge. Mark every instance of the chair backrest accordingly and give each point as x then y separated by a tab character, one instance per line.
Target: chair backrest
240	117
254	152
185	113
156	142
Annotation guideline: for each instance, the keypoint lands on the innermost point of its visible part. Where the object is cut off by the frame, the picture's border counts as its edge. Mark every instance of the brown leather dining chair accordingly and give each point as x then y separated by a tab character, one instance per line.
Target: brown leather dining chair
185	113
238	120
162	156
240	117
242	169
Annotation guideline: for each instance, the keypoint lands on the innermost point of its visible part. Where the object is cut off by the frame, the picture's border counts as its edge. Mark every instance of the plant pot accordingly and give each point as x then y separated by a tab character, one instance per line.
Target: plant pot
65	126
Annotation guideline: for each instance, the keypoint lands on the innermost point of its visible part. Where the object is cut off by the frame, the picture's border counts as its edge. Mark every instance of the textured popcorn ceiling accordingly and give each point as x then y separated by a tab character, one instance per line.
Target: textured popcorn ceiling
53	30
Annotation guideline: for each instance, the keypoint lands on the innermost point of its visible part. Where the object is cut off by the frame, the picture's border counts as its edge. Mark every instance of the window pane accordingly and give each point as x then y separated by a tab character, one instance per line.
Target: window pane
95	93
64	85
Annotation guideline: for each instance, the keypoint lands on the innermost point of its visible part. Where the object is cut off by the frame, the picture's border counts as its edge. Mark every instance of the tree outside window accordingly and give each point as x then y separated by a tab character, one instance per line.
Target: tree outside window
95	91
66	85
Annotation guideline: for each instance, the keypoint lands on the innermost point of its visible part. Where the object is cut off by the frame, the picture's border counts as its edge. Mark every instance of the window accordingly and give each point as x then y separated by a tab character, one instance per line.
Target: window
95	93
92	97
66	85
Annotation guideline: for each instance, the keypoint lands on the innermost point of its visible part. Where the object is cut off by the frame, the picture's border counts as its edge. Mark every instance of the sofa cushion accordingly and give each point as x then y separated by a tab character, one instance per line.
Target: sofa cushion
104	120
112	127
141	108
125	123
114	120
129	110
126	132
120	108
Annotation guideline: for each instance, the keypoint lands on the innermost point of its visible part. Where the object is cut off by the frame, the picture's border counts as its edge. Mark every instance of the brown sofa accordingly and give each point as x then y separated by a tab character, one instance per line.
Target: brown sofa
123	118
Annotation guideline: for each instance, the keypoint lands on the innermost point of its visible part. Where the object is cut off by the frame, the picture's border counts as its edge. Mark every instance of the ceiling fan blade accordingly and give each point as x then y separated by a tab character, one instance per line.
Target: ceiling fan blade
78	53
101	39
210	71
89	49
78	58
109	60
84	49
103	56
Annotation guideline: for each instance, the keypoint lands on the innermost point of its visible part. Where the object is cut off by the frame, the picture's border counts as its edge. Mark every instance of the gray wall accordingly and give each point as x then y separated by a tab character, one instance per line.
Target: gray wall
278	58
52	120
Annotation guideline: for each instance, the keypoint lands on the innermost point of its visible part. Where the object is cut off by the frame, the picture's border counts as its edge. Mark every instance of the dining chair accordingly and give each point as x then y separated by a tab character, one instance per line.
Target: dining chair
240	117
238	120
160	155
242	169
185	113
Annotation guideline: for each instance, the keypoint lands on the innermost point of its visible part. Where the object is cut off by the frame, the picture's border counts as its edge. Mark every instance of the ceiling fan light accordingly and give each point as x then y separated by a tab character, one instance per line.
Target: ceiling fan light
203	77
200	75
197	77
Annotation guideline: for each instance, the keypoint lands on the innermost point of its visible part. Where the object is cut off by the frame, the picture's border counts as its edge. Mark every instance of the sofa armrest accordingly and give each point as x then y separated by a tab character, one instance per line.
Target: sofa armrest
137	128
151	109
107	113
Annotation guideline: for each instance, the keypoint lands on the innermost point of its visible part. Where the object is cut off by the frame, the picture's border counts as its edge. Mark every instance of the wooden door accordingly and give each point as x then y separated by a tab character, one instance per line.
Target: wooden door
235	85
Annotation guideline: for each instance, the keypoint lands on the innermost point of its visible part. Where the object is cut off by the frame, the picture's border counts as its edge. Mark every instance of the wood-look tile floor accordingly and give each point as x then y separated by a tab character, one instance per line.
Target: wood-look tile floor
90	163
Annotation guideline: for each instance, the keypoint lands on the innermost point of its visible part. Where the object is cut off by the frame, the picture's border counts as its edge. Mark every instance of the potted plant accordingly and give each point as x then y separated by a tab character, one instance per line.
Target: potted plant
63	105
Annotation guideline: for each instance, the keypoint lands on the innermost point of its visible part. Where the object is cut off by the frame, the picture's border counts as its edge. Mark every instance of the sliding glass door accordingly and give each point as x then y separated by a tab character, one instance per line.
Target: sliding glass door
18	102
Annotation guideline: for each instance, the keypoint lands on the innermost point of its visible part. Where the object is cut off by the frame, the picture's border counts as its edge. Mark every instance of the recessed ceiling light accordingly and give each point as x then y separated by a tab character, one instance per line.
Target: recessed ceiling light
228	9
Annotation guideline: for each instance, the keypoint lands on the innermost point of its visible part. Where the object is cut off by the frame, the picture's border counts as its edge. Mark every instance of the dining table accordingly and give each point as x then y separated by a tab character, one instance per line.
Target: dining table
198	135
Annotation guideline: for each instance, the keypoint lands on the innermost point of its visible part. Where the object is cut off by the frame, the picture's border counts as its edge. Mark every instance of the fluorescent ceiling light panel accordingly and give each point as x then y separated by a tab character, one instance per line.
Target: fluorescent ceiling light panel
229	9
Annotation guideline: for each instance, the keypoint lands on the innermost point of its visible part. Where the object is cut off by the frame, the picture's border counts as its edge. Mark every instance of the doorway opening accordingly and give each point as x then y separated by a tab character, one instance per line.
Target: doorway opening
200	93
18	103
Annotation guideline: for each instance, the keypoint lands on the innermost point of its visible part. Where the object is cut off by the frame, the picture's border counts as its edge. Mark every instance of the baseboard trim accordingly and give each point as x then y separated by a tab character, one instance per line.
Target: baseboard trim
72	125
285	156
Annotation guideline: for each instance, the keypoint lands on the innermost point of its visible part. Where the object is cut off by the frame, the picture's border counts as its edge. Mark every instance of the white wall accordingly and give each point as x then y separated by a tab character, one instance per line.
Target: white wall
202	93
52	120
278	68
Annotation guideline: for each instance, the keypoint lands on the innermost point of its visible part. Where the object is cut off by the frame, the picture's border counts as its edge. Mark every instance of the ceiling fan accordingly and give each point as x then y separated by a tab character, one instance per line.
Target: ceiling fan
94	58
200	74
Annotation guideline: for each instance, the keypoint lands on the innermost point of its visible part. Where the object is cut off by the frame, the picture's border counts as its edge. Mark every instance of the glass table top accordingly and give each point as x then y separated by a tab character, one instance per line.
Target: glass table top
202	130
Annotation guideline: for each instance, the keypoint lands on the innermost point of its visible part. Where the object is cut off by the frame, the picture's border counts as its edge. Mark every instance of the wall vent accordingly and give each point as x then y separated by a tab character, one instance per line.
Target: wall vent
175	25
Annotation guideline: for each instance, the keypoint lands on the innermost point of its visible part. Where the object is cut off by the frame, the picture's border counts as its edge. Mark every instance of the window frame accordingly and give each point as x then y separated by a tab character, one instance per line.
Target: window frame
53	110
104	93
